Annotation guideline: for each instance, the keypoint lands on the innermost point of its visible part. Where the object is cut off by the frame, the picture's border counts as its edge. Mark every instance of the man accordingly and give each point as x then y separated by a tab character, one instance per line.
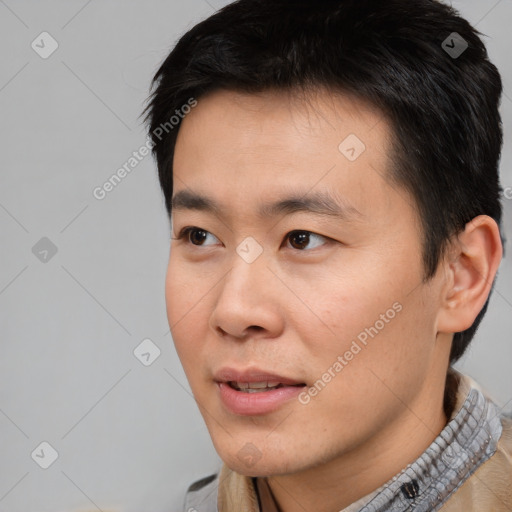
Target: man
331	175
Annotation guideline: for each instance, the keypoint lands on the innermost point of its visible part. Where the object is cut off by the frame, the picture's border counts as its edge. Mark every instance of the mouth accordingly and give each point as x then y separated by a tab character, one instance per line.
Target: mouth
255	392
258	387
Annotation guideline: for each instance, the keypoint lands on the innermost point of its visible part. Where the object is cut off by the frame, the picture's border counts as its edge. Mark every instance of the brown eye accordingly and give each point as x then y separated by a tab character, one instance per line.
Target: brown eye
299	239
302	239
197	236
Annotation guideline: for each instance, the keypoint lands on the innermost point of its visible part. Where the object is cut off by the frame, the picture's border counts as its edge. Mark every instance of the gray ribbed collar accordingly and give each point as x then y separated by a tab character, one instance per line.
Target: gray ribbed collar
466	442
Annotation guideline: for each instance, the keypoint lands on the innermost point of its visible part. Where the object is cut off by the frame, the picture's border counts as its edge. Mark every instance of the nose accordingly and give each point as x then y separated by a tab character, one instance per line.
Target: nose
248	302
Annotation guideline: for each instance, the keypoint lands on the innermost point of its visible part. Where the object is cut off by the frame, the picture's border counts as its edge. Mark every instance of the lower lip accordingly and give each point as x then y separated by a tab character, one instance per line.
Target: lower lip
251	404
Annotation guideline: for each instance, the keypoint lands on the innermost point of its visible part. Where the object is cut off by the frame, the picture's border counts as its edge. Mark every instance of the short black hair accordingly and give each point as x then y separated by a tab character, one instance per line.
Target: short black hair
401	56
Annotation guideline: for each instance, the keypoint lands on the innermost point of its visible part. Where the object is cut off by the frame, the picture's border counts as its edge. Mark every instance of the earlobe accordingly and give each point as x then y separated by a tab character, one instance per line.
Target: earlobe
473	262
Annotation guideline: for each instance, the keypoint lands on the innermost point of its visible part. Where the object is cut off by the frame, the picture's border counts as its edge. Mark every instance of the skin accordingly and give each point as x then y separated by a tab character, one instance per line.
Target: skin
294	310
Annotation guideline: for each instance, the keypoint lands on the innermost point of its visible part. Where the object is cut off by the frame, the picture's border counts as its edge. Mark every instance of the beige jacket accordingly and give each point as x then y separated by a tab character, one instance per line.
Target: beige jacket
478	478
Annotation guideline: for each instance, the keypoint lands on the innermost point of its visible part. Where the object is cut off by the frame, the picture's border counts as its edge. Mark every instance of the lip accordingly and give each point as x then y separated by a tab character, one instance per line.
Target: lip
252	375
253	404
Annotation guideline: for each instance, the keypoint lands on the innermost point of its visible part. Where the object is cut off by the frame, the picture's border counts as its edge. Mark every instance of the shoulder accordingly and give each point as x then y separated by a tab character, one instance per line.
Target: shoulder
495	475
506	436
501	460
202	495
203	482
490	486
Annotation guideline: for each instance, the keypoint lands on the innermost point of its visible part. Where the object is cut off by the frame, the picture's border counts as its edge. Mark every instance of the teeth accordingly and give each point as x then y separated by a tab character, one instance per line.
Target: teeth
261	385
254	387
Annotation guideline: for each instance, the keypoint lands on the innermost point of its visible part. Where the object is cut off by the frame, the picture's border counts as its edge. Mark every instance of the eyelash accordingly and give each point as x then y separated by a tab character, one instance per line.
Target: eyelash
187	230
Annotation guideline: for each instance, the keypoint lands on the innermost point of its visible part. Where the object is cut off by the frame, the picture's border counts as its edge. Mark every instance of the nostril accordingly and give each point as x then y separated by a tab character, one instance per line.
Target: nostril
243	334
251	329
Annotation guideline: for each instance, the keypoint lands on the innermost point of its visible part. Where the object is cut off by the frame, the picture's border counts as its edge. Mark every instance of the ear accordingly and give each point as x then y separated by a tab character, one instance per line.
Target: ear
470	269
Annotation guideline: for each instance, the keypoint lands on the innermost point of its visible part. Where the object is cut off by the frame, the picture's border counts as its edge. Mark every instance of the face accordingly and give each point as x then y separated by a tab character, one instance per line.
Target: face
294	288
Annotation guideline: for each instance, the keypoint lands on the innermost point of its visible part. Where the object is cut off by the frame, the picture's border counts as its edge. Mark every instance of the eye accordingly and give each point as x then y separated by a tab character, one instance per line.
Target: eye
298	239
196	236
302	239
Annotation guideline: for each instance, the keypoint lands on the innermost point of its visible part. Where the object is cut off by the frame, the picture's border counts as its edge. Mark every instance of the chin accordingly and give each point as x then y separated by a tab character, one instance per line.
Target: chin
258	461
262	468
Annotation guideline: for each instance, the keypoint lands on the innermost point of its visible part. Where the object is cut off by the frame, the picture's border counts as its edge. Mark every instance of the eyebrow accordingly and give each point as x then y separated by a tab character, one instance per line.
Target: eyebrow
318	203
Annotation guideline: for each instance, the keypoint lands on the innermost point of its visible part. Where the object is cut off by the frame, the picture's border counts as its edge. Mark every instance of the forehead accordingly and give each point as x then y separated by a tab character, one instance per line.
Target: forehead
246	148
268	116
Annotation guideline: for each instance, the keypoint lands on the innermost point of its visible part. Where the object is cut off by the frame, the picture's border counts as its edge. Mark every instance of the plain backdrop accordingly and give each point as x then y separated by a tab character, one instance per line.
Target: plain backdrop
82	279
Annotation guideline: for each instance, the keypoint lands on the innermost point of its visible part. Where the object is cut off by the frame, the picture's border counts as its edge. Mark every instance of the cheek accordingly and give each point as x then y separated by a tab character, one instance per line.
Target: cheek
386	354
174	288
333	309
369	318
184	289
185	303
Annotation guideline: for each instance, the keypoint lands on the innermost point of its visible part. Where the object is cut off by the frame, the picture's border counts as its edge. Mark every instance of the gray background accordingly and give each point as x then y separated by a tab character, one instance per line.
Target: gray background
128	436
